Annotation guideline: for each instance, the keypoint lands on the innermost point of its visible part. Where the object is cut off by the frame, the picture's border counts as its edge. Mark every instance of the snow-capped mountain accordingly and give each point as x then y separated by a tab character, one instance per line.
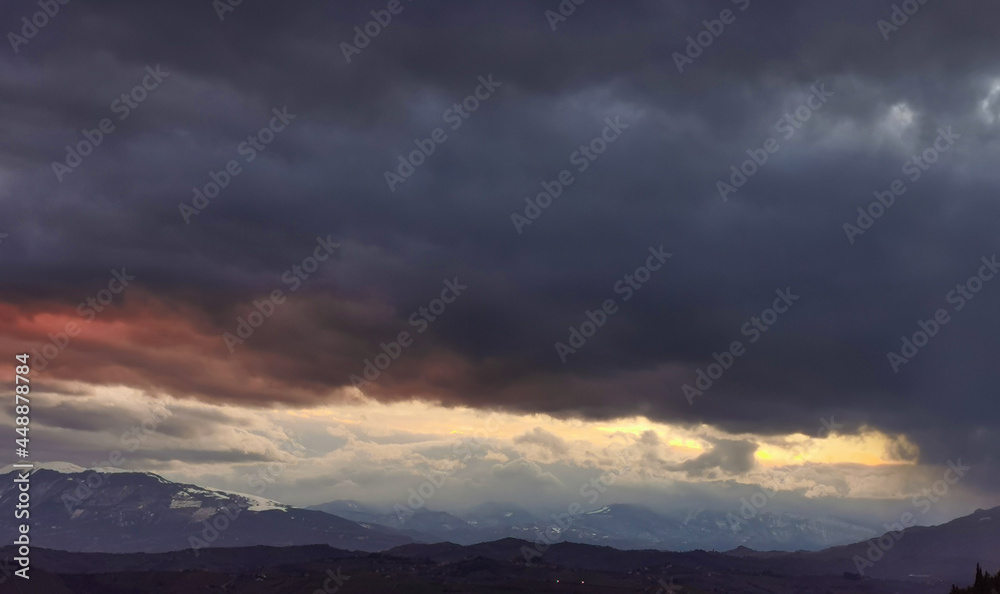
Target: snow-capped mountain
111	510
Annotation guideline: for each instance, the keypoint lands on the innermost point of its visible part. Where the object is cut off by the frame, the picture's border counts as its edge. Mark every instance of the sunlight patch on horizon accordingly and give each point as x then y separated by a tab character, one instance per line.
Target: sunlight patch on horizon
869	448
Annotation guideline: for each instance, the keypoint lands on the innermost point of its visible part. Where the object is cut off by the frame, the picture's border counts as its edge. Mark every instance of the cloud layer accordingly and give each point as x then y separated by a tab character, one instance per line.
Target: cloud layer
323	177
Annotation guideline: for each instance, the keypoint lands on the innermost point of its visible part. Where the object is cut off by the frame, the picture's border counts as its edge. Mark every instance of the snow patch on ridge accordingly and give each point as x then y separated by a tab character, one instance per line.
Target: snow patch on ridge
257	504
63	467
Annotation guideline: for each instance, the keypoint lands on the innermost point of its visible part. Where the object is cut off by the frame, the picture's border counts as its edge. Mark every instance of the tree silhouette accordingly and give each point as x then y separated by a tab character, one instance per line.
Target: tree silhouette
984	584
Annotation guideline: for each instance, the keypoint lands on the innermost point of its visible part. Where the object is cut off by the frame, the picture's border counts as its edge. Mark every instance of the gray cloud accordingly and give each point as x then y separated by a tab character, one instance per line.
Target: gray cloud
545	439
728	456
494	347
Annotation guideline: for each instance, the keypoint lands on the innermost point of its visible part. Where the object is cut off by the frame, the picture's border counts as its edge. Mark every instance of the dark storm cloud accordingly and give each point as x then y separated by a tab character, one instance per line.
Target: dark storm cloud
727	456
656	185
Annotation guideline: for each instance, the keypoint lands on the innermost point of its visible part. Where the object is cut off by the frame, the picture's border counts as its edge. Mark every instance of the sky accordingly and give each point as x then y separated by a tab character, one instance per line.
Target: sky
711	247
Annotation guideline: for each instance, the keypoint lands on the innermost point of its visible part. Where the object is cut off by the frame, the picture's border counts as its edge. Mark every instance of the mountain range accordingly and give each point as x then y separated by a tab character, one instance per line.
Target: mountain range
112	511
621	526
107	511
